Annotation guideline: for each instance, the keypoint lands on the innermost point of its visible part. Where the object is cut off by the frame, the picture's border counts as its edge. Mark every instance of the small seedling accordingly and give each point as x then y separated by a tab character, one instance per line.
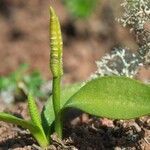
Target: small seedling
112	97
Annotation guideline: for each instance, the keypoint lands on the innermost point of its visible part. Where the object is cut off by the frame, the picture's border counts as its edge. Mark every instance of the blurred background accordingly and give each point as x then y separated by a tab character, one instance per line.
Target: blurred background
89	28
89	31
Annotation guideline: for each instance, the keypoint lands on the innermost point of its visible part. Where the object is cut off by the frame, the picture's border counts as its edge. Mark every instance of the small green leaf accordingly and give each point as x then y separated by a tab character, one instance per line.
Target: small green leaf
35	130
15	120
113	97
81	8
35	116
34	113
33	83
48	112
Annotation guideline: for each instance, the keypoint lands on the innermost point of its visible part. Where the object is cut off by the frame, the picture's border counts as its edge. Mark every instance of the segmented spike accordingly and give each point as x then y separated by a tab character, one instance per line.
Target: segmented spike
55	45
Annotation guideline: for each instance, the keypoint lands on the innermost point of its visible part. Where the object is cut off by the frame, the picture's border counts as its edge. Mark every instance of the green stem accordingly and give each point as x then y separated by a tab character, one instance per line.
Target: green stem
58	126
56	105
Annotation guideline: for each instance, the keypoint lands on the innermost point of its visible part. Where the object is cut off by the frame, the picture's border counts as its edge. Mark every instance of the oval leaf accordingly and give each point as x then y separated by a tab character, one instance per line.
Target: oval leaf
113	97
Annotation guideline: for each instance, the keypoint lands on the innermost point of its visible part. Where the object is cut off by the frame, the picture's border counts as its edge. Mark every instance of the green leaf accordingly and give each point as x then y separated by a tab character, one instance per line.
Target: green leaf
15	120
33	83
18	74
33	110
35	130
34	113
113	97
48	112
81	8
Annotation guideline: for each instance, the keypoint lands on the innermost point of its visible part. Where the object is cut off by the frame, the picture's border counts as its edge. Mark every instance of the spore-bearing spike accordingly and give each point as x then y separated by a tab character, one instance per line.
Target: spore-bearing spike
56	45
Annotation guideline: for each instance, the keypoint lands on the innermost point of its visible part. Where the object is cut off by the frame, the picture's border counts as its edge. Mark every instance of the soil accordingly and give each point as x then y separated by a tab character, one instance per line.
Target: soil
83	132
24	39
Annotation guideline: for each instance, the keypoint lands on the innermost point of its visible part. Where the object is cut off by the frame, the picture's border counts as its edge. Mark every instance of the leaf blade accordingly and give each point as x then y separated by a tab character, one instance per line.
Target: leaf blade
15	120
35	130
34	114
113	97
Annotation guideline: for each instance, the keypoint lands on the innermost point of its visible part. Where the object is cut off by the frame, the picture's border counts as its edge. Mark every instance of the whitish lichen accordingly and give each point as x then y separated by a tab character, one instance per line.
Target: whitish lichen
119	62
122	61
137	17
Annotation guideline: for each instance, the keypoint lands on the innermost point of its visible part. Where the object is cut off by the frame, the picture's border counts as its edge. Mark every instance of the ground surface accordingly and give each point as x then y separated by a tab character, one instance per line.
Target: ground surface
83	132
24	39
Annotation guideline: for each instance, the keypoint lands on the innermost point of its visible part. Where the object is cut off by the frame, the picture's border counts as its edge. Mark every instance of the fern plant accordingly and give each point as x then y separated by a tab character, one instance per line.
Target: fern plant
111	96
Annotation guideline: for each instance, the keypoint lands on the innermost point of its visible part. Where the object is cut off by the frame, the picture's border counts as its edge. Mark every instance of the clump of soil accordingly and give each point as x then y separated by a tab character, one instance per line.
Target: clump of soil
13	137
101	133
